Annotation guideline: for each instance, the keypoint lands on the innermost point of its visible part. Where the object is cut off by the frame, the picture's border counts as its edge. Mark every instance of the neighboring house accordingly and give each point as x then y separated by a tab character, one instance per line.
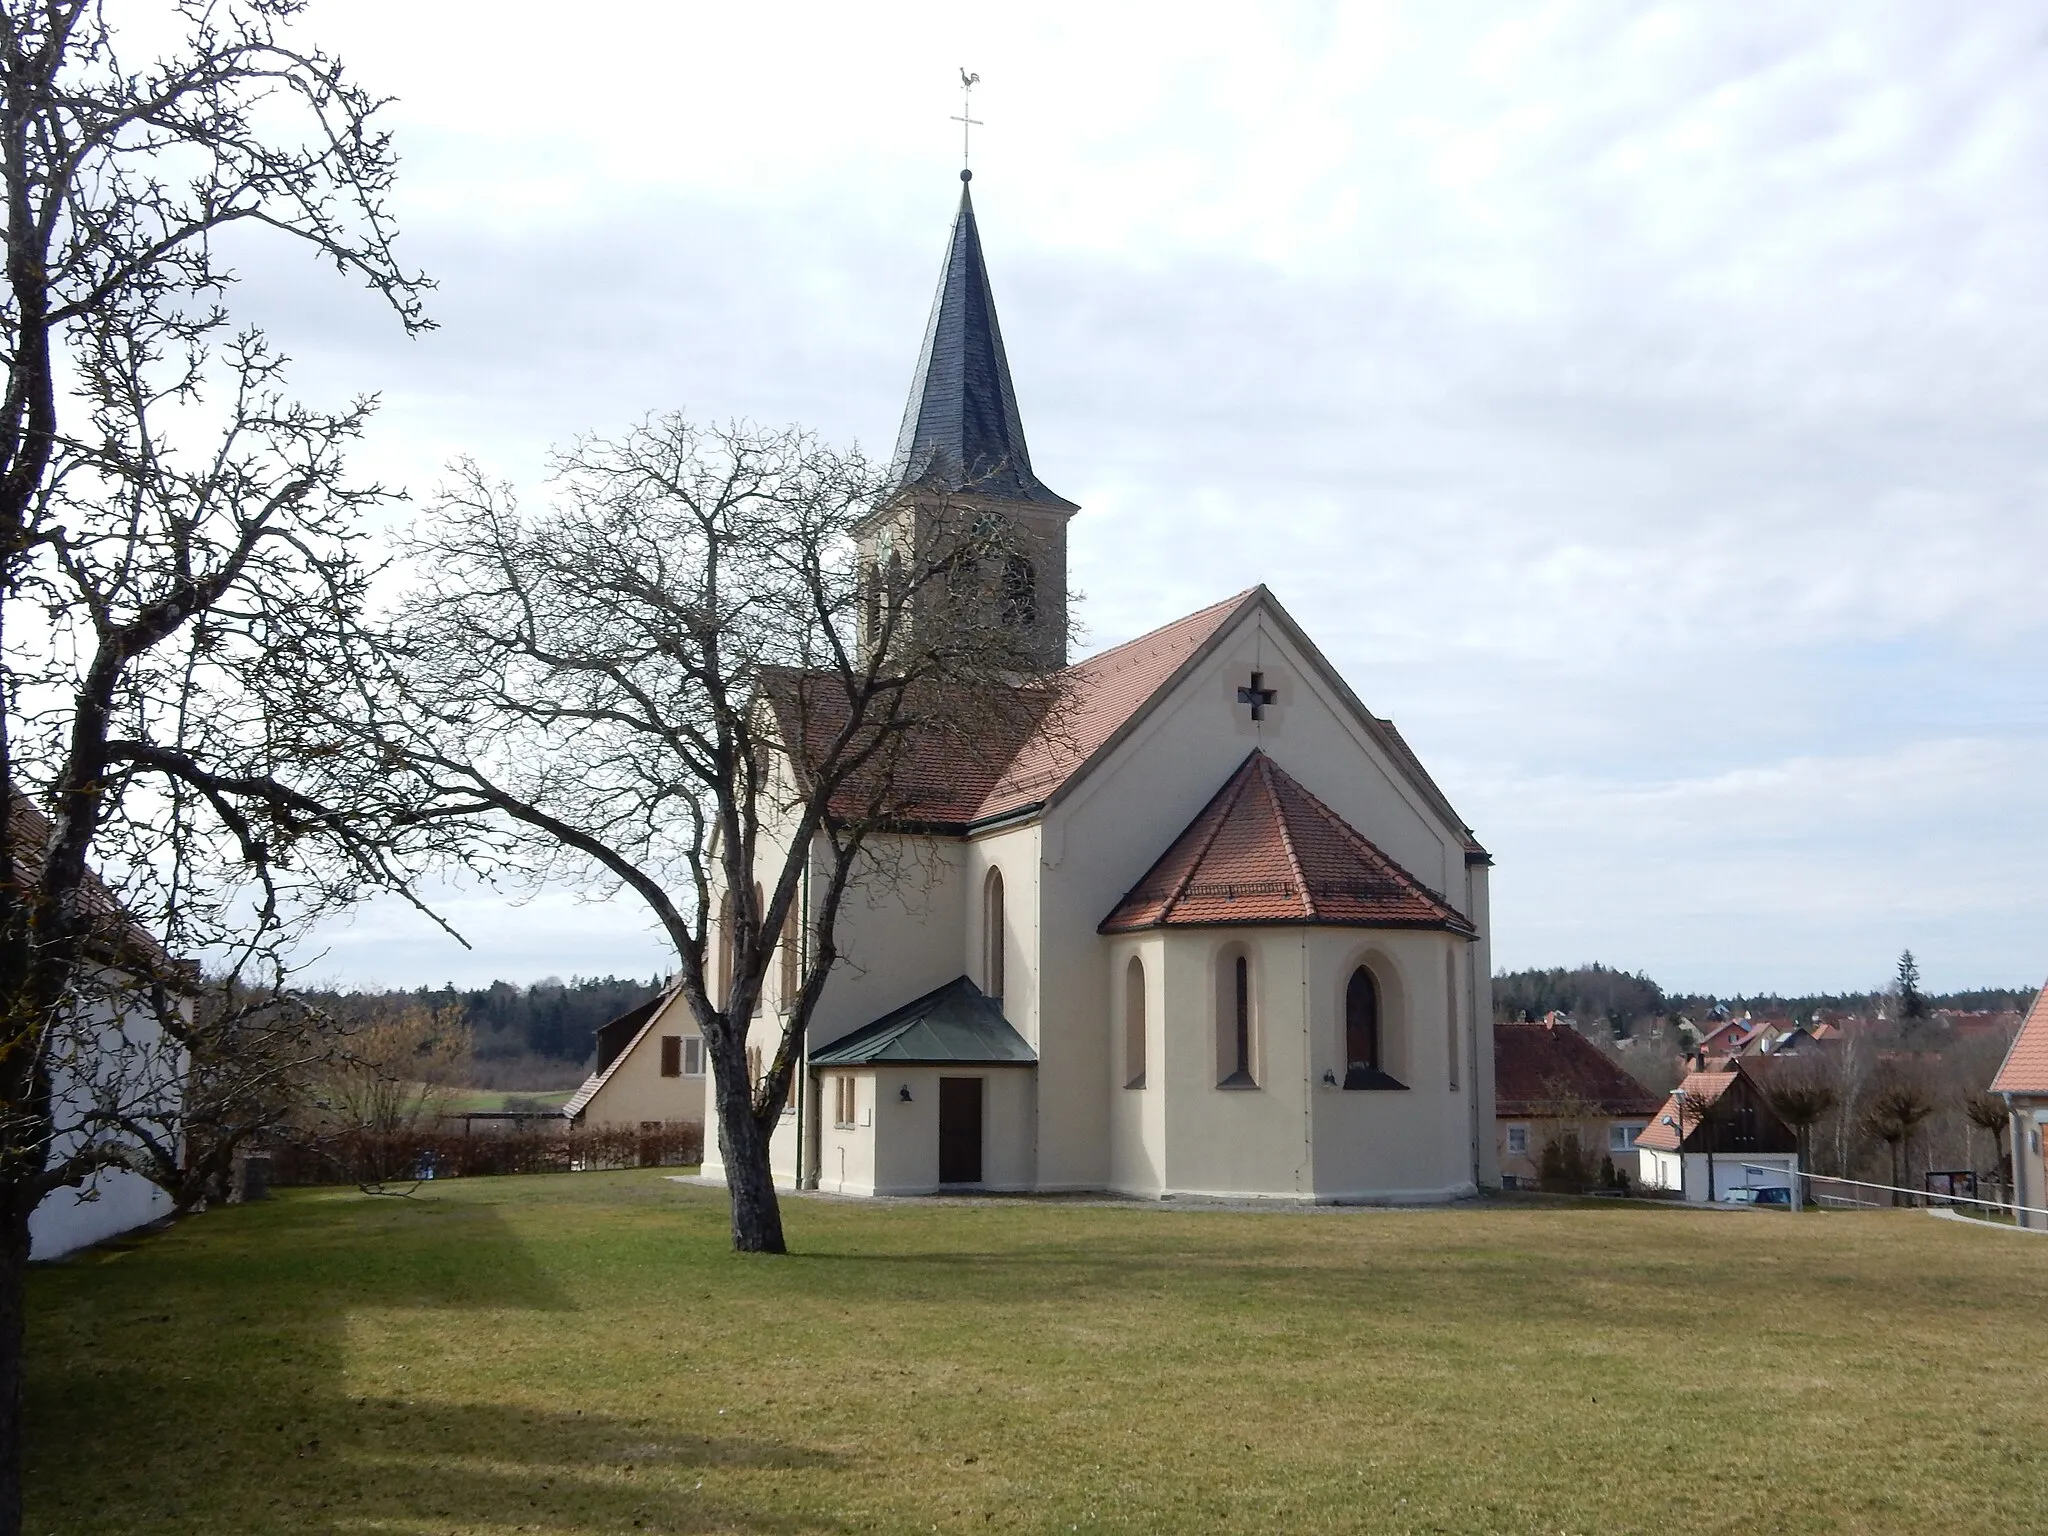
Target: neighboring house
1551	1082
2023	1081
651	1070
1726	1120
1214	931
110	1054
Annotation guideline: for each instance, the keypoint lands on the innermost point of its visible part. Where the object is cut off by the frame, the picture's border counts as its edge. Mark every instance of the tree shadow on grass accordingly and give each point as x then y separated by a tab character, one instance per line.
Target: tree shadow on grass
202	1385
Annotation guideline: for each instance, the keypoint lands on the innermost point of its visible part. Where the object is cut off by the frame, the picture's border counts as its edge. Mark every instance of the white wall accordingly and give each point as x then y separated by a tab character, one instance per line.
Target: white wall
1099	841
1732	1171
907	1135
110	1055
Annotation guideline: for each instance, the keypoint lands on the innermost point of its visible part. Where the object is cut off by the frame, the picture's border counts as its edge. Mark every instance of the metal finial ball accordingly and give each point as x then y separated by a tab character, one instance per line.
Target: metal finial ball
966	175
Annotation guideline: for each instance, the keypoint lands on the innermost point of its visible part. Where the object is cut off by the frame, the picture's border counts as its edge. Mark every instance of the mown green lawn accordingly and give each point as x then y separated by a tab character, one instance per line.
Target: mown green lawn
580	1353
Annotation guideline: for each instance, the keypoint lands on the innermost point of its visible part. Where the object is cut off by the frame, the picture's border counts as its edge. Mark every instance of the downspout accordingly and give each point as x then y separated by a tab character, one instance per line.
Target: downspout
805	1158
1308	1082
1473	1127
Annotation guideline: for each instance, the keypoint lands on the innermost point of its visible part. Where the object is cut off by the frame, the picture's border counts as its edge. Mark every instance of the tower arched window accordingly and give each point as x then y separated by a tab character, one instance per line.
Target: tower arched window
1020	593
992	935
1134	1023
1236	1020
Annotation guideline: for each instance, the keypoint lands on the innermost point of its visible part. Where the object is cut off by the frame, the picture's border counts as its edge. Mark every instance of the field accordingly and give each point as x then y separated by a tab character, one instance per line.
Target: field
580	1353
483	1100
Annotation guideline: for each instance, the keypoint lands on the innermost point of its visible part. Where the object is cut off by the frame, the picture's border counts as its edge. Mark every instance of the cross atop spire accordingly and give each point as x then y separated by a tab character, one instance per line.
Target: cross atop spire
967	120
961	430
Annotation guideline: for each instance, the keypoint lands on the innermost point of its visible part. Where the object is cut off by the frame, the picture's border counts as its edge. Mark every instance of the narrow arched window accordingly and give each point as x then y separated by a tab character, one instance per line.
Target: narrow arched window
992	935
1362	1065
1451	1013
1234	1020
722	951
870	605
791	977
1020	593
1134	1023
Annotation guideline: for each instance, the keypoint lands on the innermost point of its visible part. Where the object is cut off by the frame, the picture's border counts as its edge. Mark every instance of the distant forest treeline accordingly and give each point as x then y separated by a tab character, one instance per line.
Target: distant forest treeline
535	1036
1628	1000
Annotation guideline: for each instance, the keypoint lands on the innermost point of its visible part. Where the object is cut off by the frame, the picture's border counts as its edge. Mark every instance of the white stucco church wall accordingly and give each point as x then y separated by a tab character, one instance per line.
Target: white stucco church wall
1164	728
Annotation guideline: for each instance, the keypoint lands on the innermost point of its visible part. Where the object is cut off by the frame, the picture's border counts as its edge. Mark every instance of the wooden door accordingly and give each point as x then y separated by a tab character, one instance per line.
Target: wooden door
959	1130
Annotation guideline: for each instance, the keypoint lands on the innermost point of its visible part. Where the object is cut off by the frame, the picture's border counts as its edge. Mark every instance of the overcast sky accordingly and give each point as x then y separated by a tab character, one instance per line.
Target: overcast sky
1642	406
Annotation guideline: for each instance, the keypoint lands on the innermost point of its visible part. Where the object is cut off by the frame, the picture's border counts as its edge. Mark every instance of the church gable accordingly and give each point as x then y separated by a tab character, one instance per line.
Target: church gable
1257	683
1265	850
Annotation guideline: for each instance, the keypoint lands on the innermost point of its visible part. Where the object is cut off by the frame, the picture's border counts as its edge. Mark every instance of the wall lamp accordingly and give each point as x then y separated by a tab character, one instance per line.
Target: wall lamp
903	1093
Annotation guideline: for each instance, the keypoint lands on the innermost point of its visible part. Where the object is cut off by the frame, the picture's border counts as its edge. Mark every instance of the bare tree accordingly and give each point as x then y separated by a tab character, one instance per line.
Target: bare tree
1992	1115
1802	1096
1895	1110
682	680
168	618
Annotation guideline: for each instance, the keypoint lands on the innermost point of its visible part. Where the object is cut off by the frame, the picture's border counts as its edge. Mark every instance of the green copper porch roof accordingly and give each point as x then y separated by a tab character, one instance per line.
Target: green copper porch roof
957	1024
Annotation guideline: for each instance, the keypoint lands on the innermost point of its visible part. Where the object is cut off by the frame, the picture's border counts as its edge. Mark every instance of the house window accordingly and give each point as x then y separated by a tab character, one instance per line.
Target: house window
992	935
1745	1125
1518	1141
1622	1138
693	1056
845	1101
1234	1020
753	1066
1134	1023
1362	1066
671	1055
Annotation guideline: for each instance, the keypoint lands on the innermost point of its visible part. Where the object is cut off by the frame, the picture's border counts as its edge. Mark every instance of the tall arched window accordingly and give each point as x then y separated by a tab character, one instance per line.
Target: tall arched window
1020	593
1134	1023
1234	1020
992	935
1451	1013
870	605
792	959
721	968
1362	1065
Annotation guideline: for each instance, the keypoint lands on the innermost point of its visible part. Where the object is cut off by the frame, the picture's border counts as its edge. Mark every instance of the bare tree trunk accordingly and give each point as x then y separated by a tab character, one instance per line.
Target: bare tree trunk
743	1140
13	1313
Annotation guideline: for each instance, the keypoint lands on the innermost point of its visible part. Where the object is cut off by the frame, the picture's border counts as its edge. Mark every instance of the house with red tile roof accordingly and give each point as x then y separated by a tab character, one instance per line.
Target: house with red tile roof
2023	1081
1716	1137
1213	931
1554	1088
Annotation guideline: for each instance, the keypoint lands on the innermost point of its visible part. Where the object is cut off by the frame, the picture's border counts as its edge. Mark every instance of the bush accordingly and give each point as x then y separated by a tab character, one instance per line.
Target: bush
369	1157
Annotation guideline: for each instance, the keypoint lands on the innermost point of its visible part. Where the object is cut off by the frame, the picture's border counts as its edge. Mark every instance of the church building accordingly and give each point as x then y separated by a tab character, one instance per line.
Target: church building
1220	935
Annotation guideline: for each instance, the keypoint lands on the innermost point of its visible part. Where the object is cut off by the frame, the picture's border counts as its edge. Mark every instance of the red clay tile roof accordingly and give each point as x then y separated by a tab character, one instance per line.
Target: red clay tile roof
1015	764
1265	850
1538	1067
1106	691
1698	1087
118	933
2025	1069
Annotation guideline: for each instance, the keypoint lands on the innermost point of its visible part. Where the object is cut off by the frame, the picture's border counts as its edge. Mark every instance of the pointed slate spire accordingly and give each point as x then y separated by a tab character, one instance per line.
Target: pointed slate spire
961	430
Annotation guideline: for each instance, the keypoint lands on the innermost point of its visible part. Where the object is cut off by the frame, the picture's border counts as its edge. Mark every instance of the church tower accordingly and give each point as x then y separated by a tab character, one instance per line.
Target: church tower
962	443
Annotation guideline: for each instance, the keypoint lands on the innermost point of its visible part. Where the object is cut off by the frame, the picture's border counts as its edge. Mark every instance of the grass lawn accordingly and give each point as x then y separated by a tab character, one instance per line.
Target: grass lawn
483	1100
580	1353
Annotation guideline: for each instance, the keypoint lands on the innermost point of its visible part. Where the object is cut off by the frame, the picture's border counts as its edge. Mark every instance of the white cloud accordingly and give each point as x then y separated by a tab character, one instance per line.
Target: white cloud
1641	403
